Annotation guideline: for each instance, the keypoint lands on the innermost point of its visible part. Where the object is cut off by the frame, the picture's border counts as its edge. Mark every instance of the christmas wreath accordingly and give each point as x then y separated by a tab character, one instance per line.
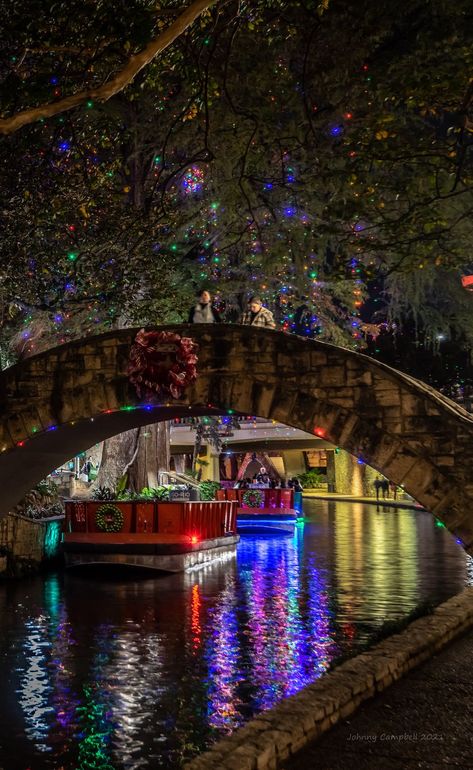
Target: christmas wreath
253	498
162	364
109	518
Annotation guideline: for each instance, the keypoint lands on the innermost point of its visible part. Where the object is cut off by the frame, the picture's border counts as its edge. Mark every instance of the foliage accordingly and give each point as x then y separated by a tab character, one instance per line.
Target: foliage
41	502
104	493
340	171
311	479
208	490
161	494
121	485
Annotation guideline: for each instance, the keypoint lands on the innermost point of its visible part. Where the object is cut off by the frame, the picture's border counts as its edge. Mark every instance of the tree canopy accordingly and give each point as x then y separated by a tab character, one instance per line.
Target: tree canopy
313	153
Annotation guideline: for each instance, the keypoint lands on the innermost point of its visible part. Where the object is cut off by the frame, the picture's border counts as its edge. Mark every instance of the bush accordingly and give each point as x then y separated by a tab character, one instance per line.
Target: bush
311	479
208	489
155	493
103	493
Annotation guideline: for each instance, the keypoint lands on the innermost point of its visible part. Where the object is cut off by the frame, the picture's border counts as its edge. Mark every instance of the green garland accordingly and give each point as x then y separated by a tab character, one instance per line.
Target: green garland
253	498
109	518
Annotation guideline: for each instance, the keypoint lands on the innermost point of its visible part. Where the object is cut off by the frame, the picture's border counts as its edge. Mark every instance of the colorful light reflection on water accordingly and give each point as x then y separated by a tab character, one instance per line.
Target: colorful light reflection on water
118	675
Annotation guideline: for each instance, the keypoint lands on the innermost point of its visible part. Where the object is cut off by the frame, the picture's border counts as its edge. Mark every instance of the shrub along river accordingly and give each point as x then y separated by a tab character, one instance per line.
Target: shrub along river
132	673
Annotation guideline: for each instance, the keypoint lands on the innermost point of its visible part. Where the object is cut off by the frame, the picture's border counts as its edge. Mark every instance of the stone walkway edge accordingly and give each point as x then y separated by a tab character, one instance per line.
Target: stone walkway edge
272	736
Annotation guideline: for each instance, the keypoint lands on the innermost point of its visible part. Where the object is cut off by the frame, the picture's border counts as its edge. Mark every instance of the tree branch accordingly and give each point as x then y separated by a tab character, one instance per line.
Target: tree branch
104	92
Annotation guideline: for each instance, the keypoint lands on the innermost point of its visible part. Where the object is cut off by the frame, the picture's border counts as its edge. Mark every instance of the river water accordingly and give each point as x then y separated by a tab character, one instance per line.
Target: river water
101	674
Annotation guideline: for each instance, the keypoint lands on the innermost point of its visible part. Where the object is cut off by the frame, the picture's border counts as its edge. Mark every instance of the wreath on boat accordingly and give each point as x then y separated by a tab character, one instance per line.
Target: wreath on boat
162	364
109	518
253	498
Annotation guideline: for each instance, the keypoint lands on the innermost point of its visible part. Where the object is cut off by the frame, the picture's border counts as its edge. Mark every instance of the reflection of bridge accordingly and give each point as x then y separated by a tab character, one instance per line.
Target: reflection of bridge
61	402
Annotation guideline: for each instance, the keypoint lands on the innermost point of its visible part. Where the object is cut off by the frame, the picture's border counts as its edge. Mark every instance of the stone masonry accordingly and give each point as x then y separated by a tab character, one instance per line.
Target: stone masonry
63	401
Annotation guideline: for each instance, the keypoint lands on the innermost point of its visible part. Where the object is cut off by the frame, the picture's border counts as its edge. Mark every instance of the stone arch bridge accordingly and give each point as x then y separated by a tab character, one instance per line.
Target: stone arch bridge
61	402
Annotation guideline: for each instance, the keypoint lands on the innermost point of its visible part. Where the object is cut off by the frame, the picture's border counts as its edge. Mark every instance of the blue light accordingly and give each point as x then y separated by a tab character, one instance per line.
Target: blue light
336	130
268	186
289	211
64	146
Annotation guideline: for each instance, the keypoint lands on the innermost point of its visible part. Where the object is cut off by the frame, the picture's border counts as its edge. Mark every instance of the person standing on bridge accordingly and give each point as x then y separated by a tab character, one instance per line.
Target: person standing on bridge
257	315
204	312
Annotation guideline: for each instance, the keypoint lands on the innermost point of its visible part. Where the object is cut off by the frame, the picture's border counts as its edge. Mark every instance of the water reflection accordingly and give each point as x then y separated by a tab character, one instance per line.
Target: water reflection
142	674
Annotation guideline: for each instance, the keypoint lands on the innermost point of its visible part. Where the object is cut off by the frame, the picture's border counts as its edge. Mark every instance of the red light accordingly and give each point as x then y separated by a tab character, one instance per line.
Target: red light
348	115
194	539
21	443
319	432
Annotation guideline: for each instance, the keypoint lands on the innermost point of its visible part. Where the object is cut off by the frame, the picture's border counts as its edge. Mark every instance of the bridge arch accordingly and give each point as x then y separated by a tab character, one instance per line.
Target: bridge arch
59	403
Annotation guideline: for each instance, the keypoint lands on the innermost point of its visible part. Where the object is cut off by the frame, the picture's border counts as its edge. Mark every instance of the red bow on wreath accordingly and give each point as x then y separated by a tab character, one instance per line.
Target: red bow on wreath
162	363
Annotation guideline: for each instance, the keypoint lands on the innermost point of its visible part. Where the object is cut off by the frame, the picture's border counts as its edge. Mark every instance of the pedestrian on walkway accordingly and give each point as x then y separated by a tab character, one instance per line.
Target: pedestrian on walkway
203	312
257	315
378	483
385	488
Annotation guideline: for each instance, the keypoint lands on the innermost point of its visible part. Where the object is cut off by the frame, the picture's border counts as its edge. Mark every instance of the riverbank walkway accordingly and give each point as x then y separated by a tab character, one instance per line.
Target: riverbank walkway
315	494
423	721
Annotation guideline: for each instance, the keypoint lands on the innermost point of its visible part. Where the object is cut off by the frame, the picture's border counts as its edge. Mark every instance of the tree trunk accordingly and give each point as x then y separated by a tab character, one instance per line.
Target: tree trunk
117	453
153	456
180	463
141	452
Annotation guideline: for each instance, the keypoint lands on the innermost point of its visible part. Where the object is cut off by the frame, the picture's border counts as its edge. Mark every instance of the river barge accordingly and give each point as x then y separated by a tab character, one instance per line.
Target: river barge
150	535
264	511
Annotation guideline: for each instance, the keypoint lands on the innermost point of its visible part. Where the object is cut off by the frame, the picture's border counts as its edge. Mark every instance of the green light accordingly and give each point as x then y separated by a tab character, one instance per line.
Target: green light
230	411
89	104
52	538
214	206
439	523
216	259
72	256
313	275
174	247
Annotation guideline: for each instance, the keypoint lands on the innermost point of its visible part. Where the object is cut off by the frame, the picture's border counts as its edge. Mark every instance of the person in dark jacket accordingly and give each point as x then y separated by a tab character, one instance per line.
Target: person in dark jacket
203	312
